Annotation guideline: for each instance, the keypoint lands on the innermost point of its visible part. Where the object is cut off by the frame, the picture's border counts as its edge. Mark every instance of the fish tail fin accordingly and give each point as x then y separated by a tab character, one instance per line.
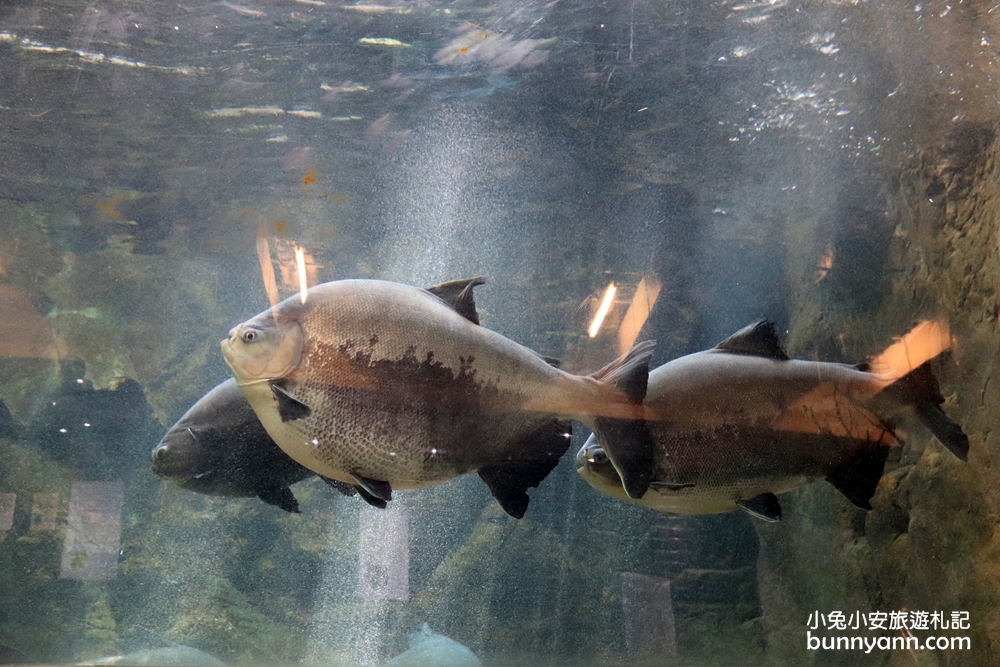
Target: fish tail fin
924	342
906	366
627	440
919	390
858	477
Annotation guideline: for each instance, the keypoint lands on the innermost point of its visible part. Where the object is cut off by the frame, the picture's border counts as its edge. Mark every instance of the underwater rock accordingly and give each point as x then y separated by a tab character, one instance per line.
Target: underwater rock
8	428
100	433
428	649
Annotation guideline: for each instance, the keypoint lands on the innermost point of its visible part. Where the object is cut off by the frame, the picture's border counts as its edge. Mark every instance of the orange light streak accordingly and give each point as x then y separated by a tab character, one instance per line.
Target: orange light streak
266	268
638	311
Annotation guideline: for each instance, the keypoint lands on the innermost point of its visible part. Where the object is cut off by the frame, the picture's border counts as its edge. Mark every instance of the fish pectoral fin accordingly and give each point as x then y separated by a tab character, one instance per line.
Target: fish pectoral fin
289	407
280	497
458	295
509	482
858	477
374	487
765	507
755	340
369	498
629	445
671	486
343	487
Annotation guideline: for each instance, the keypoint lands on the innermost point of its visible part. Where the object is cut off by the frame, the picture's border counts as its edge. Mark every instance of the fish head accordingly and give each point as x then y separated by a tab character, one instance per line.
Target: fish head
264	348
178	456
597	469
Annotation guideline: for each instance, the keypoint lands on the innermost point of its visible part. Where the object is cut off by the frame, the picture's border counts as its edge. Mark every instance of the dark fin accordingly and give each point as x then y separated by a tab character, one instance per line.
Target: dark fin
671	486
379	489
919	389
629	445
858	478
458	295
281	497
509	483
343	487
755	340
288	407
765	507
370	499
627	442
630	372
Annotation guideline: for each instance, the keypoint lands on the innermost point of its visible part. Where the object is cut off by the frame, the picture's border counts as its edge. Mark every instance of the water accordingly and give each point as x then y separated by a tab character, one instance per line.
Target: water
825	165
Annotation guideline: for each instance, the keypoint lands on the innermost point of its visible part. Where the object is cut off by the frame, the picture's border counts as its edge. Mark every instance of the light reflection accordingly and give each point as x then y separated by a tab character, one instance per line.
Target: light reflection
300	264
924	342
266	267
638	311
609	295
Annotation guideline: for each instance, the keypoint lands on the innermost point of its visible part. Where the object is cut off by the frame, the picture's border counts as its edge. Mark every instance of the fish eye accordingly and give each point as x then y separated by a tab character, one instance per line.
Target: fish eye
599	457
249	336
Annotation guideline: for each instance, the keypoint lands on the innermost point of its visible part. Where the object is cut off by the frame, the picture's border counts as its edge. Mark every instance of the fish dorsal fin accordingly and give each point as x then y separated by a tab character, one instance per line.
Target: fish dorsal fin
756	340
458	295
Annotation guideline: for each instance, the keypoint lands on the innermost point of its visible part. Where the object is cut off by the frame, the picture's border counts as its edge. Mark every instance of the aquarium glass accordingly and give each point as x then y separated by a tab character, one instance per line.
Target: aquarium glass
618	171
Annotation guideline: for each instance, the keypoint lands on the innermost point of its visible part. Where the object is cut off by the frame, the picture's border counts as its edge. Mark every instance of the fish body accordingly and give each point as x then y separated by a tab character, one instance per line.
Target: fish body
734	426
383	385
429	649
219	447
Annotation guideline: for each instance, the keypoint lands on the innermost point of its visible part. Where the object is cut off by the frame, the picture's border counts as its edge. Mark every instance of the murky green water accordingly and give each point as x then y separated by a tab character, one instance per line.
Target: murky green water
829	166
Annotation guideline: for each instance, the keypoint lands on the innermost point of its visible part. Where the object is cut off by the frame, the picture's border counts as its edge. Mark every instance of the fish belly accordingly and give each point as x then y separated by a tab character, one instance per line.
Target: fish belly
408	438
711	470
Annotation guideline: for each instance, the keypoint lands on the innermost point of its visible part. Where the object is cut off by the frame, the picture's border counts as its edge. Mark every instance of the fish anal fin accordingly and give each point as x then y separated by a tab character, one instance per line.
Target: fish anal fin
289	408
375	487
342	487
509	482
764	506
756	340
458	295
279	497
858	477
369	498
629	445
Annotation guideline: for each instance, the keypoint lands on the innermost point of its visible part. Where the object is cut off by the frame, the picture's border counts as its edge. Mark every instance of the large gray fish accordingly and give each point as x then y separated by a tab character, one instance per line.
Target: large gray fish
735	425
384	386
219	447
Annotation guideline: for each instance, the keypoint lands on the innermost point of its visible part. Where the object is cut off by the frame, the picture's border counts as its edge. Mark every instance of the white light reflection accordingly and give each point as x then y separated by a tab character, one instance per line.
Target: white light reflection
602	311
300	264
